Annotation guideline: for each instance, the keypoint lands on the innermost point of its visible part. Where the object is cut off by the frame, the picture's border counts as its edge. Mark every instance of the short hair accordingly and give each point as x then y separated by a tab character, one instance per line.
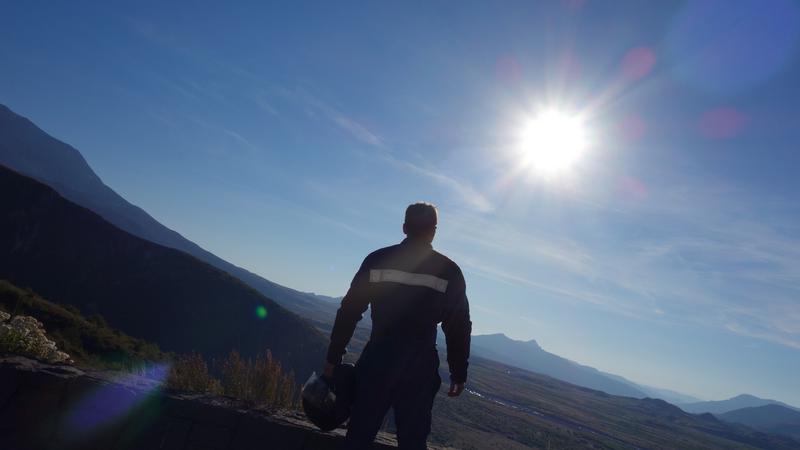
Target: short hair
421	217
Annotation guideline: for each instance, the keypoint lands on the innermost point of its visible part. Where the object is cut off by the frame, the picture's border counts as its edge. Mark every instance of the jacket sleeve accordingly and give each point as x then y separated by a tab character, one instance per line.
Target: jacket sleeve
457	328
354	303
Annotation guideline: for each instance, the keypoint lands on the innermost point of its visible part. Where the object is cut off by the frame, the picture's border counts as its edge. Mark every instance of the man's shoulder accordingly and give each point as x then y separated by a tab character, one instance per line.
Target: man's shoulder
382	251
444	260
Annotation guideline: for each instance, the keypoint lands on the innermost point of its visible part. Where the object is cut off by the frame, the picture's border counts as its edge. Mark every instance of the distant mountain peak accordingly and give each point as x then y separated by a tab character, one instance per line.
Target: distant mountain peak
500	335
746	397
530	356
738	402
503	338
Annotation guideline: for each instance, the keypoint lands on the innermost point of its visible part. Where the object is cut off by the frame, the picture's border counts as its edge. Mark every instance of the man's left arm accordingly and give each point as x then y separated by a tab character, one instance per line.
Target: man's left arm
457	328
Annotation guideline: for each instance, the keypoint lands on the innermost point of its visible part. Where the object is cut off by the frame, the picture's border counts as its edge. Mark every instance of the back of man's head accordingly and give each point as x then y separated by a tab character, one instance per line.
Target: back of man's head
421	220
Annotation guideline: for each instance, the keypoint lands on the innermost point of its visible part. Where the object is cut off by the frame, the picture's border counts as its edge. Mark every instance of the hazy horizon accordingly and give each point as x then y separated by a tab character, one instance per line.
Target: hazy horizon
289	141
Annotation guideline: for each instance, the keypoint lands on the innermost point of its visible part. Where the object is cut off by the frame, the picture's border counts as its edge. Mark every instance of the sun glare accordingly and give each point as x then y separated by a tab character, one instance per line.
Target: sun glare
552	142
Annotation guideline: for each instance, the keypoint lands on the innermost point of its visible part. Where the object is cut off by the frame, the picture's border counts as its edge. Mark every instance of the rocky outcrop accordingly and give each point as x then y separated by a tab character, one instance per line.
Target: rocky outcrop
26	335
44	406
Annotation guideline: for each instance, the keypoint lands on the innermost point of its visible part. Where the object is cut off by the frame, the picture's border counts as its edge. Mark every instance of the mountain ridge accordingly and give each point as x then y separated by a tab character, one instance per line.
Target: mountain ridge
529	355
29	150
71	255
737	402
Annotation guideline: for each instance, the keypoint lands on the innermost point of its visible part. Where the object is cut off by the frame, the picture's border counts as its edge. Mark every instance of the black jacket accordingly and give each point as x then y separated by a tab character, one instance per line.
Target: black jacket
412	288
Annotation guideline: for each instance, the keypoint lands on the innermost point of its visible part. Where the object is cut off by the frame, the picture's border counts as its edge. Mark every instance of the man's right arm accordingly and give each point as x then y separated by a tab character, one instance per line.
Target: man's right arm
354	303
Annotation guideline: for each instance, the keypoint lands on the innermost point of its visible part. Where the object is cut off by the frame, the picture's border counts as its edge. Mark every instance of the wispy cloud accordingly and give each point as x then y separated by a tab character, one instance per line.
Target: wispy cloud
314	106
563	292
765	334
465	192
363	134
240	139
266	106
351	126
708	256
357	130
496	233
731	258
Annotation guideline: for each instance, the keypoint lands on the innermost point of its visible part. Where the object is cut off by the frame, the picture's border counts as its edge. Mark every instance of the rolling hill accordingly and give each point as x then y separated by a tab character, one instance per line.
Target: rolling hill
771	418
29	150
731	404
71	255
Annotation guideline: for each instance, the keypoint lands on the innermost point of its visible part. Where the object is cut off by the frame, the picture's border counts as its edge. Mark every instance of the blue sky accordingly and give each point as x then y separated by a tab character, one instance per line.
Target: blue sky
289	139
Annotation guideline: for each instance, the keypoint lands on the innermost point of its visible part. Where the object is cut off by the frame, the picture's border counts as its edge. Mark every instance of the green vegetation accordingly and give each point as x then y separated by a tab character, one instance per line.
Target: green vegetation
190	373
89	342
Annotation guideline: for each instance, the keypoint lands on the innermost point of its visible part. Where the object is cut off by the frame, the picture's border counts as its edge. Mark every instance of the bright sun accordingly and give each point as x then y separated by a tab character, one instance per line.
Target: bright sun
552	141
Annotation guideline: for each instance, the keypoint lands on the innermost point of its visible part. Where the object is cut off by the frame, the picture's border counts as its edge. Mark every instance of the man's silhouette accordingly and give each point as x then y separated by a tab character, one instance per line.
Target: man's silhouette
411	288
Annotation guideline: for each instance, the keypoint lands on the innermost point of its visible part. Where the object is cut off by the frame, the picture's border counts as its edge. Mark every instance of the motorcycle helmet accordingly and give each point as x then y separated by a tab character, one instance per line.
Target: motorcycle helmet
327	402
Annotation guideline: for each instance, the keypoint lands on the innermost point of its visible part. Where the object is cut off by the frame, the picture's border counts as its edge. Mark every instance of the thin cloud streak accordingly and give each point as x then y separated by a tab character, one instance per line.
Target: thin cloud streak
357	130
240	139
466	193
711	271
765	335
363	134
560	292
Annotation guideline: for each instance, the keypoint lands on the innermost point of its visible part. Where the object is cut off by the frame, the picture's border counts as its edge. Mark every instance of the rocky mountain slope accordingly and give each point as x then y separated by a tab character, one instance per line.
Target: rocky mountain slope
27	149
70	255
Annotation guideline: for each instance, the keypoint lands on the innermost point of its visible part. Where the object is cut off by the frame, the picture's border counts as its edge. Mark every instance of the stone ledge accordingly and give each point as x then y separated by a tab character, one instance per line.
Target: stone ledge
45	406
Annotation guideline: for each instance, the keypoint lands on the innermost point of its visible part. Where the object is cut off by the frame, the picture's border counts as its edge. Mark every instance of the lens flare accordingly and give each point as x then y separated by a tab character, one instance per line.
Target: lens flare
104	405
261	312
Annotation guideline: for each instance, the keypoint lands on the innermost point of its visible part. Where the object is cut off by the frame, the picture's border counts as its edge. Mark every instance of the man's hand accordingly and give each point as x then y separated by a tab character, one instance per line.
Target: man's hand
455	389
327	372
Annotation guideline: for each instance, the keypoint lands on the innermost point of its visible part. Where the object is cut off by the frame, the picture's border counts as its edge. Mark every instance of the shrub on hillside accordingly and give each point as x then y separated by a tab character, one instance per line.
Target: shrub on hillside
259	381
190	373
25	335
